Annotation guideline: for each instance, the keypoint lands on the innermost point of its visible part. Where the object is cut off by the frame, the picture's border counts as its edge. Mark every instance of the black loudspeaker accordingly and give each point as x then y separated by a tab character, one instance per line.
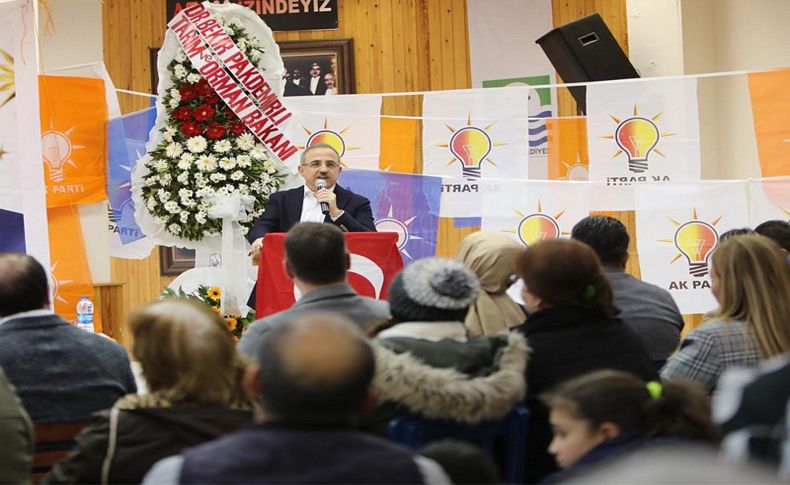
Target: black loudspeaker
585	50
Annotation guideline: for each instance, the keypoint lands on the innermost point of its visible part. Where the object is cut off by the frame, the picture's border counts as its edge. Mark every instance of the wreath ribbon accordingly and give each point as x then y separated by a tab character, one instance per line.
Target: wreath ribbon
234	79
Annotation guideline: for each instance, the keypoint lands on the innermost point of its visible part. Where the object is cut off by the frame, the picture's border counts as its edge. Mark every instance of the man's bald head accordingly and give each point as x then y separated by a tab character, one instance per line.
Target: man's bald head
316	369
23	284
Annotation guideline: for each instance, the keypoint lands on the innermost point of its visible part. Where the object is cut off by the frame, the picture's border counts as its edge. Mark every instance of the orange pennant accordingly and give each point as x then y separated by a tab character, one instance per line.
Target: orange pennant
71	276
568	157
73	139
771	109
398	150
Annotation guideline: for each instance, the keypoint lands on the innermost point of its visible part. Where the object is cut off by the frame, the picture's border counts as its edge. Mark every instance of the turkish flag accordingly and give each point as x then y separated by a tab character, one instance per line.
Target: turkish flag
375	260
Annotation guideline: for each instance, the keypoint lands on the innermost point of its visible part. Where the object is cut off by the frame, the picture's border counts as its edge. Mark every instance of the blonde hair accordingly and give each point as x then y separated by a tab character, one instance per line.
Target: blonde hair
754	286
187	354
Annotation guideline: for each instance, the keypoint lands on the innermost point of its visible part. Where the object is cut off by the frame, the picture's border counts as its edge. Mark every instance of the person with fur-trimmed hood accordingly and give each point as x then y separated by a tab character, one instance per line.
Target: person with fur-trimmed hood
426	364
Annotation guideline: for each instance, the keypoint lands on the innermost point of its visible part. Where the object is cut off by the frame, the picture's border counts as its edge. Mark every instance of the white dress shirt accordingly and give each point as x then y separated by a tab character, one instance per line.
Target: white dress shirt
314	83
311	208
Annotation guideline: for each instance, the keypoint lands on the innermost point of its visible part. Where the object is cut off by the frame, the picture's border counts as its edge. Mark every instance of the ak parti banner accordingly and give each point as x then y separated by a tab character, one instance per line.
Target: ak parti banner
771	110
568	158
73	139
70	274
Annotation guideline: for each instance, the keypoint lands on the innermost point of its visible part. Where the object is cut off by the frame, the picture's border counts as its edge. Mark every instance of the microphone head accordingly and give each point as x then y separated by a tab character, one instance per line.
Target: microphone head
320	184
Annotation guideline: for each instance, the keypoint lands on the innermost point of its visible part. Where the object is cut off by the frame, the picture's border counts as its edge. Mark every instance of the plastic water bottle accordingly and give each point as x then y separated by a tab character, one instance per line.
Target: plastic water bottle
85	314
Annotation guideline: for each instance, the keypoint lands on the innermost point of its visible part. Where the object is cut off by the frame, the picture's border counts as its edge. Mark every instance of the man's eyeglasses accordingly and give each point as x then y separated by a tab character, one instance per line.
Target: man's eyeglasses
330	164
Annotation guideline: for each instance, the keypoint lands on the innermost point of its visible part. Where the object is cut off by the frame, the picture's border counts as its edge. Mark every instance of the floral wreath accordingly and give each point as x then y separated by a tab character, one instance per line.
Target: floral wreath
199	149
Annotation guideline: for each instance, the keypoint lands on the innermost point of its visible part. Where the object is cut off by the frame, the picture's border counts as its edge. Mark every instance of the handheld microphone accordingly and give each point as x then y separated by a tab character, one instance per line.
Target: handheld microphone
321	184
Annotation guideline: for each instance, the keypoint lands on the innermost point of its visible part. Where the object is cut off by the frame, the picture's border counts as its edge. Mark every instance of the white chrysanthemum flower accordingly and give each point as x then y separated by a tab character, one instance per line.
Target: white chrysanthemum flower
243	161
206	163
183	178
222	146
160	220
244	189
188	203
200	217
172	207
160	165
256	186
265	179
174	103
180	71
244	230
245	141
163	195
151	181
258	152
165	179
184	193
174	228
196	144
168	134
235	23
200	183
151	204
181	56
184	164
242	44
184	217
174	150
237	175
193	78
227	163
228	30
255	55
217	177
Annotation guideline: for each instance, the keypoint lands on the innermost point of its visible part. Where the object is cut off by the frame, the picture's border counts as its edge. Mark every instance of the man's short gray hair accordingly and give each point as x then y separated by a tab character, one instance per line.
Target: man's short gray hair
313	147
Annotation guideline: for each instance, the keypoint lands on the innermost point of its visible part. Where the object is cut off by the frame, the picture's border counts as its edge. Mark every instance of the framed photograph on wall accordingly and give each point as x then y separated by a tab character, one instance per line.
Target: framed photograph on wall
174	261
318	67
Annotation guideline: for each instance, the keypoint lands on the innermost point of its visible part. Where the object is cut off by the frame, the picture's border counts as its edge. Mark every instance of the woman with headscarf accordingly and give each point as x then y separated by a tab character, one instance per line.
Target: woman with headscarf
492	257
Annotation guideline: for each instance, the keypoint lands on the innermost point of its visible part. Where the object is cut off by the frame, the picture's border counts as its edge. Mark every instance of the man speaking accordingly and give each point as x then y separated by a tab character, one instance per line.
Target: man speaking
319	200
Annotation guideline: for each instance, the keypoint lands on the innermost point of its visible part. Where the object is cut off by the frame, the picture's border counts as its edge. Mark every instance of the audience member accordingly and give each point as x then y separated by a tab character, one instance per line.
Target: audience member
312	380
607	413
426	363
571	330
777	231
195	380
751	408
492	257
61	373
742	231
16	436
317	260
463	462
648	309
751	282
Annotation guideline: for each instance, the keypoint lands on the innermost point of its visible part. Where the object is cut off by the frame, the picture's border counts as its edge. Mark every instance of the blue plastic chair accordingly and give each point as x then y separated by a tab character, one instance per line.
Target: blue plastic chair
414	431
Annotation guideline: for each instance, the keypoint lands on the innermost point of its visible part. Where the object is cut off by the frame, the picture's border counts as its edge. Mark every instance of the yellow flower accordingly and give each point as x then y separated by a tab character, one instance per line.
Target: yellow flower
216	309
214	292
235	339
231	323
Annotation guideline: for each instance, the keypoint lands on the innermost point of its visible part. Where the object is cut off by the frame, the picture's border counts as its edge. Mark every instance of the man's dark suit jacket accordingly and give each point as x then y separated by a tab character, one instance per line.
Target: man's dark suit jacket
284	210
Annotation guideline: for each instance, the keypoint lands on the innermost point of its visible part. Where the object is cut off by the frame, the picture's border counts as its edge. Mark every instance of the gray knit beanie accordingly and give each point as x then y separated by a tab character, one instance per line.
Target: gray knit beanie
433	289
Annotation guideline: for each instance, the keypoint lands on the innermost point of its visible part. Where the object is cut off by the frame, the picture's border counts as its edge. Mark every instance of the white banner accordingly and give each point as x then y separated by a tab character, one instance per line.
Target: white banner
23	215
769	200
644	131
532	211
350	124
678	228
469	135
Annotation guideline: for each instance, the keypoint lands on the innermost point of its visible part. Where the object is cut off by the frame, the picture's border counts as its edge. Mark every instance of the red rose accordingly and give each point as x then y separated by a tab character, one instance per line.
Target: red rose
188	93
203	88
237	128
204	112
183	113
215	131
190	128
212	99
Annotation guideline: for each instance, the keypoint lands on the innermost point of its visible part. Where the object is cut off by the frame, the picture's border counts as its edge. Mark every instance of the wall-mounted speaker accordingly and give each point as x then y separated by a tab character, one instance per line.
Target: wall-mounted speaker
585	50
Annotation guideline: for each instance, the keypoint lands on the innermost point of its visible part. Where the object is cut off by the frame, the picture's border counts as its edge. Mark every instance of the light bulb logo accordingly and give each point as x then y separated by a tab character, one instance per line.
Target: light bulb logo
470	145
537	226
334	138
637	137
56	151
401	228
696	240
330	138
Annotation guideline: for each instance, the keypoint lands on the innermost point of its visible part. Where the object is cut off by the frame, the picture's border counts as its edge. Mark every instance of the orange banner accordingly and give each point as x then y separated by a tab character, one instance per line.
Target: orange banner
398	150
71	275
568	156
73	139
771	110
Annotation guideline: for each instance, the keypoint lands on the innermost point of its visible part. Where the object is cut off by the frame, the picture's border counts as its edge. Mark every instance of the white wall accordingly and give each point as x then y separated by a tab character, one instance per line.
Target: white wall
77	39
655	43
